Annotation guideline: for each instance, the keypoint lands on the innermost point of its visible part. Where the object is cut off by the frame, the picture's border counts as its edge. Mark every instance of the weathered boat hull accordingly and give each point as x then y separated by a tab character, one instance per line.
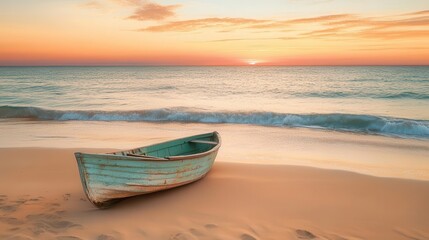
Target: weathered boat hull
108	178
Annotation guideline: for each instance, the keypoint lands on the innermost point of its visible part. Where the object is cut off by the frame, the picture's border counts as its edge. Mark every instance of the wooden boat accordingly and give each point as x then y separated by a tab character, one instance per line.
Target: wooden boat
108	178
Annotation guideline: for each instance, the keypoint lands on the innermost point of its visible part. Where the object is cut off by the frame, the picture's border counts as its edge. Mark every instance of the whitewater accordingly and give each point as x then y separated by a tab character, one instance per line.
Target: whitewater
338	122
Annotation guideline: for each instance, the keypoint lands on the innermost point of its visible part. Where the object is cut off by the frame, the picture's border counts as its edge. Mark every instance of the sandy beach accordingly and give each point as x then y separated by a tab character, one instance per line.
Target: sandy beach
42	198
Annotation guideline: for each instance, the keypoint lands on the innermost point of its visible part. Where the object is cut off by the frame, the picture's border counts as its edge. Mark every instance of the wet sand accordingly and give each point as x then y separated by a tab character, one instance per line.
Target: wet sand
41	198
362	153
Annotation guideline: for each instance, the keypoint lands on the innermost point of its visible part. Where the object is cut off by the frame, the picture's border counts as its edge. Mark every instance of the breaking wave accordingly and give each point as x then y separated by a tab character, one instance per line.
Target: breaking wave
340	94
399	127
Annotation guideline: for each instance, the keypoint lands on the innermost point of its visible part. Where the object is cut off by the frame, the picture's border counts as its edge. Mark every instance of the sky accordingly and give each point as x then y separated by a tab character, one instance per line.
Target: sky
214	32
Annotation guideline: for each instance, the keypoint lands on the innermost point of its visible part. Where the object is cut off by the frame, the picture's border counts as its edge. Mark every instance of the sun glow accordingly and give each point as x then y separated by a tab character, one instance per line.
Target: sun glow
252	62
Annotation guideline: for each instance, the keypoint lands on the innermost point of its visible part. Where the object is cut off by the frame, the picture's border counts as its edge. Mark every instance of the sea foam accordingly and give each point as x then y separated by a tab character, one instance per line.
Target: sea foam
399	127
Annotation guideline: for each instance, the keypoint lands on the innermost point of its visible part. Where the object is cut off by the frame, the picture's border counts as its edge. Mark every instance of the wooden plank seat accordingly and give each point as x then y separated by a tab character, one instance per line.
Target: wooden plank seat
204	142
145	156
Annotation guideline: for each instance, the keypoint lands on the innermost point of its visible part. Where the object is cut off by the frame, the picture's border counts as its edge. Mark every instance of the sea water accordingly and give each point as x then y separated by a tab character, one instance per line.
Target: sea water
383	100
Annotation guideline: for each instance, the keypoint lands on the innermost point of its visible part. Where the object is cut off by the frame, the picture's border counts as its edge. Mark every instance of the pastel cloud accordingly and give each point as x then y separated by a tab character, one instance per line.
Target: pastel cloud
325	18
409	25
424	12
338	19
153	11
144	10
190	25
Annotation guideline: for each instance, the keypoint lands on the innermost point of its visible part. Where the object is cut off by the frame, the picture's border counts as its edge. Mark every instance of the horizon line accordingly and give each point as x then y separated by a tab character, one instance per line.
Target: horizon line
220	65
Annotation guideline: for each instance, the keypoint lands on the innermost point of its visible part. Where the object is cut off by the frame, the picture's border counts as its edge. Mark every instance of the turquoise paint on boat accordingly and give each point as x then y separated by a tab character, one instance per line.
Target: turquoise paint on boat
108	178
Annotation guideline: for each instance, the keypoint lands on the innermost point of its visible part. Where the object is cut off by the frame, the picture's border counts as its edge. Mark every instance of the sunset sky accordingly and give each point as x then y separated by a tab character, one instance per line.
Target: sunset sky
214	32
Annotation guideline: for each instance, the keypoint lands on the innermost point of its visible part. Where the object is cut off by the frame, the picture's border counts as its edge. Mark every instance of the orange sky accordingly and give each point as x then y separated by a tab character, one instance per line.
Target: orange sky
207	32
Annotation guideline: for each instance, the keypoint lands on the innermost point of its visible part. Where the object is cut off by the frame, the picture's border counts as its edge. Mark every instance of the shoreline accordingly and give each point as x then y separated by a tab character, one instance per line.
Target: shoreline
42	197
367	154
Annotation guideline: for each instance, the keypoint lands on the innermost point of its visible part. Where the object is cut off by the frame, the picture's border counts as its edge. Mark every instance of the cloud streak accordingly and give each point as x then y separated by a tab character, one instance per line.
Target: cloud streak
144	10
153	11
347	20
238	23
191	25
408	25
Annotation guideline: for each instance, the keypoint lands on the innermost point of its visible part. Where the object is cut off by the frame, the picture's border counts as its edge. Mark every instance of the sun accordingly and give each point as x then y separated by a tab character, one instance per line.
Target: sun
252	62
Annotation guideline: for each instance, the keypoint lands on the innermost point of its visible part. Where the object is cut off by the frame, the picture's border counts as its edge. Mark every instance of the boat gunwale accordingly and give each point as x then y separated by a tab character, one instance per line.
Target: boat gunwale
165	142
111	156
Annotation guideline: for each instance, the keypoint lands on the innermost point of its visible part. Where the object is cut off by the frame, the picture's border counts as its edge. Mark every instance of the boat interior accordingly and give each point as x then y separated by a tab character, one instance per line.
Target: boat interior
179	147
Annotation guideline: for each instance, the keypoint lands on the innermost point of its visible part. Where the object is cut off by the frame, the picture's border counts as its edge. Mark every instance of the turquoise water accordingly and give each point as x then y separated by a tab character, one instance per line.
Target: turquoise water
391	101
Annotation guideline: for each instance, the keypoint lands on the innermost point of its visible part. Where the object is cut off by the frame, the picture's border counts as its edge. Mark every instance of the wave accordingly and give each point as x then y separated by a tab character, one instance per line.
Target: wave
388	126
339	94
407	95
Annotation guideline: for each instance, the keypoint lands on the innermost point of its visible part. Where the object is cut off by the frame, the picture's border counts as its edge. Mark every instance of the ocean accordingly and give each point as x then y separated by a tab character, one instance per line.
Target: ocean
367	119
390	101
